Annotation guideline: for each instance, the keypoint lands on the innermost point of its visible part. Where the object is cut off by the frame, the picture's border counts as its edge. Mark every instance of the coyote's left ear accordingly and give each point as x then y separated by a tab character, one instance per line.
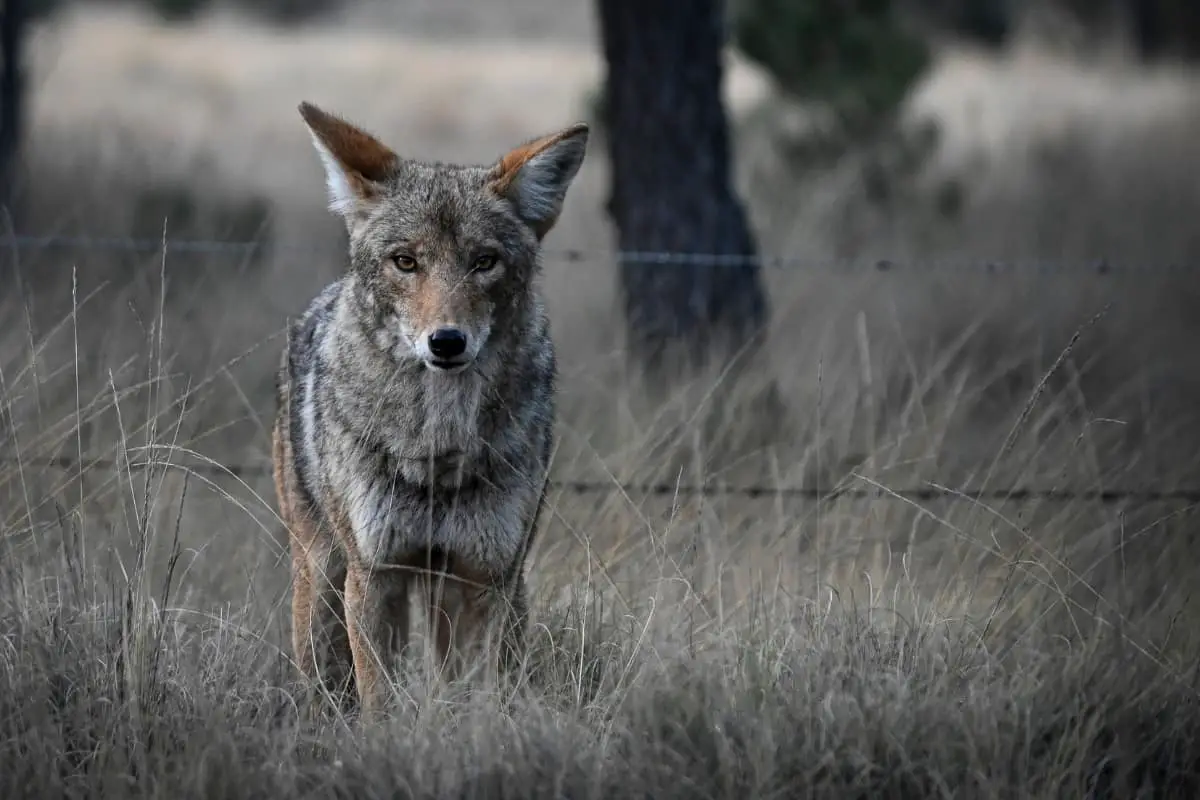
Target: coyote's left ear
535	176
355	162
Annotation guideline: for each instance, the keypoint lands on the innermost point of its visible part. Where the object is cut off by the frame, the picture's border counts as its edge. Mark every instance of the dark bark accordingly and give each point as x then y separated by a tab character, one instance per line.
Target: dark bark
671	180
1165	28
672	192
1157	28
1148	31
12	95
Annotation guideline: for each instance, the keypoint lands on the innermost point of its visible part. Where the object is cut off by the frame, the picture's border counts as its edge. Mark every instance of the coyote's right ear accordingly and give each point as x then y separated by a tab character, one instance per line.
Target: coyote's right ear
355	162
536	175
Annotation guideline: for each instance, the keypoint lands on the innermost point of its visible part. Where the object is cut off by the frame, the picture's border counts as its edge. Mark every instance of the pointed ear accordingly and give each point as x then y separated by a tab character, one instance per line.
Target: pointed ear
536	175
355	162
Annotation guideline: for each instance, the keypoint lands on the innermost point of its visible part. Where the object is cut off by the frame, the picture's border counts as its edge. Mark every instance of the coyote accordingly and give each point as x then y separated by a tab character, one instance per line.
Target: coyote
415	405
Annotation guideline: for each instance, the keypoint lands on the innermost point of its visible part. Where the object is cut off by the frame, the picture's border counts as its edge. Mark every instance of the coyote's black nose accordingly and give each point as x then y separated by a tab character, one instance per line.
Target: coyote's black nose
447	343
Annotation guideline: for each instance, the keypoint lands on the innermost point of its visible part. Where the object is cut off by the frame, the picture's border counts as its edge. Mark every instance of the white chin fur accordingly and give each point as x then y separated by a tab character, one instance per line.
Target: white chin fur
444	370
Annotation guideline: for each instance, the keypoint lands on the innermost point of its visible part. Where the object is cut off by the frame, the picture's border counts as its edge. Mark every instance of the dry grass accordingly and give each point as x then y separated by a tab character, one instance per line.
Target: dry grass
683	646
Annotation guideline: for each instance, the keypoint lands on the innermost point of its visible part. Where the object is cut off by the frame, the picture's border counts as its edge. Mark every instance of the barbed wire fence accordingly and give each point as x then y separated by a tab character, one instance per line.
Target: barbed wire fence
242	248
605	487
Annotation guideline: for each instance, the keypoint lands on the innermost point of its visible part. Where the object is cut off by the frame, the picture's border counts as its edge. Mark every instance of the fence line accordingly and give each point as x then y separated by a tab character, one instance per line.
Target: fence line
575	486
244	248
610	487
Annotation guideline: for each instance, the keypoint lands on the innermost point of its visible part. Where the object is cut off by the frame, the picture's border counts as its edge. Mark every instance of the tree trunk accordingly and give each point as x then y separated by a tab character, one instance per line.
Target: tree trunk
1165	28
672	192
12	96
671	181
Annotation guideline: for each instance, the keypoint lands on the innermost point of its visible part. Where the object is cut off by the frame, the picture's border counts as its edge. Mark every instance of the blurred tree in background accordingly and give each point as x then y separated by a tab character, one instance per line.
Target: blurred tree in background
672	191
852	57
1161	28
1156	28
14	16
849	65
986	22
669	142
672	188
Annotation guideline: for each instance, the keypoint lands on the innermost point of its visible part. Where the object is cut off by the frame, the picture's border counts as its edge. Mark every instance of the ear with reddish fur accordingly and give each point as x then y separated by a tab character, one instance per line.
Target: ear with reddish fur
536	175
355	162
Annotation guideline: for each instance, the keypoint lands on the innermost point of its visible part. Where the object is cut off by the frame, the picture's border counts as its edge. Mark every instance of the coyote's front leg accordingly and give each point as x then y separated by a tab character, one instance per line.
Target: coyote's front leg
468	617
319	639
377	619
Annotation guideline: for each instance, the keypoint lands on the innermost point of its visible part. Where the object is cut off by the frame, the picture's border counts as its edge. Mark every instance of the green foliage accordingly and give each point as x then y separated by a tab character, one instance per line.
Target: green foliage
985	22
853	56
988	22
1157	28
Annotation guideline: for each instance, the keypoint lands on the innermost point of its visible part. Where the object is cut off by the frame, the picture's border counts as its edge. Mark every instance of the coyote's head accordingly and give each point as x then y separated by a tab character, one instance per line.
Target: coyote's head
443	255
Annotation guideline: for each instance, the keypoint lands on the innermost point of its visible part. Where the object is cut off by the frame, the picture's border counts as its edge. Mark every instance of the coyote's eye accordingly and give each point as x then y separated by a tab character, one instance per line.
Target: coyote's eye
485	262
404	263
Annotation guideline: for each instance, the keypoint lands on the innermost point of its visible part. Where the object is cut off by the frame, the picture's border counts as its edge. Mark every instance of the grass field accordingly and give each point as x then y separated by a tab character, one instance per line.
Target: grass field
950	642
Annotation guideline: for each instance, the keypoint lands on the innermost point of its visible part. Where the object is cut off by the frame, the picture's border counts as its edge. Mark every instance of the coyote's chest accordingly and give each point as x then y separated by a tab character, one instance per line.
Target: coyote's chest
437	439
435	485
